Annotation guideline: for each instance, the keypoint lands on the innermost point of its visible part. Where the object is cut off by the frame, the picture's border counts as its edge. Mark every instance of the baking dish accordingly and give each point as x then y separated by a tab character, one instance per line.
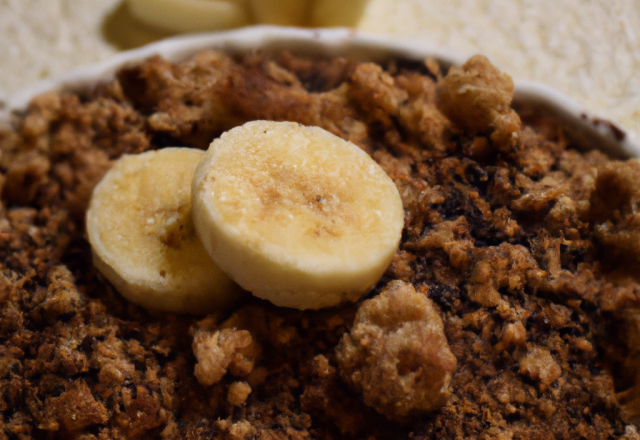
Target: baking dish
442	192
582	127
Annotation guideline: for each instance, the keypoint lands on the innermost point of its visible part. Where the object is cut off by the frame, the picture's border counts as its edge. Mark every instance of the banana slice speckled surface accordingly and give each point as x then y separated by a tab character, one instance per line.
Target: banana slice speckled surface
295	214
141	232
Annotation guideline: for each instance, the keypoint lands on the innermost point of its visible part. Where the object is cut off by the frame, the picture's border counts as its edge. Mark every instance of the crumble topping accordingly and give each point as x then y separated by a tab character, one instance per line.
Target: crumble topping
397	354
523	248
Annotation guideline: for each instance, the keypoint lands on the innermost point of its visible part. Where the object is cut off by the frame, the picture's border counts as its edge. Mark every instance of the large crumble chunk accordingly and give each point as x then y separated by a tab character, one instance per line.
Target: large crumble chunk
397	354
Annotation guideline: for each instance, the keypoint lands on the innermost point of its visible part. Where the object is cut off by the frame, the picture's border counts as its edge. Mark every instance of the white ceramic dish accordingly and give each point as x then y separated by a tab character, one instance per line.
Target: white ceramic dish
582	127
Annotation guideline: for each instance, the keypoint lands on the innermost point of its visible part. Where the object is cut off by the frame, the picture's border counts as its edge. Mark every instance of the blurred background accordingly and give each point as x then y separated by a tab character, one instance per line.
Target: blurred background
588	49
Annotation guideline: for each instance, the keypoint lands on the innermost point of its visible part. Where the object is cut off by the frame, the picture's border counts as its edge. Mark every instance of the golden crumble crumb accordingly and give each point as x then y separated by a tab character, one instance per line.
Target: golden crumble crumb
397	354
540	366
238	393
216	352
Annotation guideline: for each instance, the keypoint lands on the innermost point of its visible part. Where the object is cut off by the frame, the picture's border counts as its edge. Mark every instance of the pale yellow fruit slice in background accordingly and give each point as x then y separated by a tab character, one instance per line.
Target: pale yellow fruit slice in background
191	15
295	214
328	13
141	232
281	12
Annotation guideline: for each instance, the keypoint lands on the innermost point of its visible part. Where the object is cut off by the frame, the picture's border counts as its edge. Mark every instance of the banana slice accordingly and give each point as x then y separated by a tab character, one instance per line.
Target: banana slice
295	214
141	233
191	15
327	13
281	12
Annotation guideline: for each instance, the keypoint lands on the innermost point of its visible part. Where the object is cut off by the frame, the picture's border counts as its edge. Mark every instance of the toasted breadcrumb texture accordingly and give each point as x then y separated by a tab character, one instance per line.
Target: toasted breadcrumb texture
216	352
522	246
616	209
477	98
238	393
397	354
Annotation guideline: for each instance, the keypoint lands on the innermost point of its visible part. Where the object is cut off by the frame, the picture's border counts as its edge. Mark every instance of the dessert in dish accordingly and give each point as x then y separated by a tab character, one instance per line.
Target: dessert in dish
509	310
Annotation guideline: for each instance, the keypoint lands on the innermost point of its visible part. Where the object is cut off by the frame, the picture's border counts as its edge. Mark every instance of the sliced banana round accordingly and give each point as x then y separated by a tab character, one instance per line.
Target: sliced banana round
295	214
281	12
190	15
141	233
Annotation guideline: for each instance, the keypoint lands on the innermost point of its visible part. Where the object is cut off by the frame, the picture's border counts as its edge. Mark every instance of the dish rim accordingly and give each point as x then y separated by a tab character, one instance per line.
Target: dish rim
583	126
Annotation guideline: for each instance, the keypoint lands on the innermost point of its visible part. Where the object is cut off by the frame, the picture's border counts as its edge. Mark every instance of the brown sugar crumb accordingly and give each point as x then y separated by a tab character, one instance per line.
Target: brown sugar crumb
477	97
397	354
241	430
511	309
76	408
614	206
474	95
540	366
238	393
219	351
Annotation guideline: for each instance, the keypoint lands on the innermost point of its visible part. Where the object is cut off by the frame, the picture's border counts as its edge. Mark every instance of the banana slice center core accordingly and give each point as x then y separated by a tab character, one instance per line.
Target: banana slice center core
304	191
